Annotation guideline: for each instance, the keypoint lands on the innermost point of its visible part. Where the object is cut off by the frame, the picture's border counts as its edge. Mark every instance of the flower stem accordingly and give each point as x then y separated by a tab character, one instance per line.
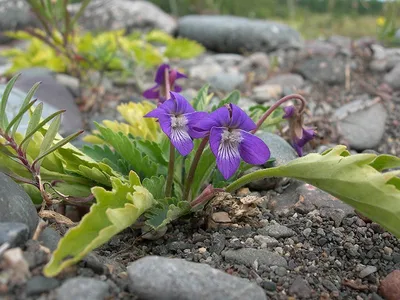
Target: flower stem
170	176
166	83
193	167
277	104
254	176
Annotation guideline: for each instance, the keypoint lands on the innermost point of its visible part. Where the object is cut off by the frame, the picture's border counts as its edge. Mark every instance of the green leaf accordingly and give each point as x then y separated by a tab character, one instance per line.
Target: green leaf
165	211
4	100
272	122
201	101
114	211
203	172
17	119
125	147
233	97
183	48
32	128
105	154
156	186
354	179
32	125
56	146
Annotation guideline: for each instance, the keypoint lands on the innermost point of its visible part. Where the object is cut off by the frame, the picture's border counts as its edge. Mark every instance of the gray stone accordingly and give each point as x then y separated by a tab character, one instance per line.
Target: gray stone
320	48
54	95
368	270
205	71
290	83
362	123
258	64
227	82
14	15
282	152
40	284
70	82
300	288
329	285
267	240
16	206
393	77
230	34
323	69
228	59
336	214
248	256
13	233
307	232
153	278
277	231
218	243
49	238
82	288
267	93
103	15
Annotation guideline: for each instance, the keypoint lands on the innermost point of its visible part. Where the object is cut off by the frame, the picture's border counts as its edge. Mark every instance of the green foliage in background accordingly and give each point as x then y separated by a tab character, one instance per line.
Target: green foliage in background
108	51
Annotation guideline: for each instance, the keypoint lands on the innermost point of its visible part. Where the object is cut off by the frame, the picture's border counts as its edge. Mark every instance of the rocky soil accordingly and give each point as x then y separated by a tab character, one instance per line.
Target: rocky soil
291	241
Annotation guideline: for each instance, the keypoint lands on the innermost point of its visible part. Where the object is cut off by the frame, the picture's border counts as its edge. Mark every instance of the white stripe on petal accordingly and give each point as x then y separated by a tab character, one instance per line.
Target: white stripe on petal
229	146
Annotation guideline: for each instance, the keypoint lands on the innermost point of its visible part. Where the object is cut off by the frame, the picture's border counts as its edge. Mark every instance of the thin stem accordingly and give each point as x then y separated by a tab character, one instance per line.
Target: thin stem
193	167
254	176
170	176
277	104
171	163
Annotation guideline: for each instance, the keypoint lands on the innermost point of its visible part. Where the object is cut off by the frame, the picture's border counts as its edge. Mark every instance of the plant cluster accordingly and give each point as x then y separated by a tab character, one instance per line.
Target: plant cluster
170	159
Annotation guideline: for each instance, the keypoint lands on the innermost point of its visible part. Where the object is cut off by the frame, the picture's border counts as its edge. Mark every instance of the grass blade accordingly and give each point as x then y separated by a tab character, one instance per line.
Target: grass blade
18	117
56	146
4	100
28	98
35	119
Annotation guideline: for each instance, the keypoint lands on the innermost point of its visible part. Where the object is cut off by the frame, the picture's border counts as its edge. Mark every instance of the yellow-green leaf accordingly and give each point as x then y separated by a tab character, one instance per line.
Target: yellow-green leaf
114	211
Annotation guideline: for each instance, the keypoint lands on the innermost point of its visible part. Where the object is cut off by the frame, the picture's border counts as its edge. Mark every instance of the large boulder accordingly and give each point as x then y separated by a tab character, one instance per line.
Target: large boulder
230	34
14	15
103	15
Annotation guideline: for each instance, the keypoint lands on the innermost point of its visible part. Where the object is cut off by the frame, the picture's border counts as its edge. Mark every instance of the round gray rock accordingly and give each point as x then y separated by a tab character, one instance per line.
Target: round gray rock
230	34
282	152
82	288
103	15
16	206
323	69
362	123
14	15
393	77
154	278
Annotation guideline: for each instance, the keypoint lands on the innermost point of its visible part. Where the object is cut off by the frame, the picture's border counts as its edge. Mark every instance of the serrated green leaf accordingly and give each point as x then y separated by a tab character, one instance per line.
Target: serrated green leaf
4	100
165	211
233	97
114	211
105	154
384	162
156	186
201	101
128	151
354	179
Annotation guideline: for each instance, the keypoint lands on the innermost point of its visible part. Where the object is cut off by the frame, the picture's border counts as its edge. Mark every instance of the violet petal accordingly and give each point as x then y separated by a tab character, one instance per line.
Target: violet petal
182	105
152	93
240	119
253	150
160	74
289	111
227	154
193	119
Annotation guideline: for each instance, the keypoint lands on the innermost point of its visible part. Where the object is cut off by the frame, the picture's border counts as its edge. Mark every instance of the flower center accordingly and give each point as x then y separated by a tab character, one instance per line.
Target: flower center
178	122
232	137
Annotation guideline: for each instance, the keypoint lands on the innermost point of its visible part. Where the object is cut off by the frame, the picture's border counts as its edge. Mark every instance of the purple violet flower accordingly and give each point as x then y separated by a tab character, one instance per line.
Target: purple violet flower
158	91
231	140
177	117
300	135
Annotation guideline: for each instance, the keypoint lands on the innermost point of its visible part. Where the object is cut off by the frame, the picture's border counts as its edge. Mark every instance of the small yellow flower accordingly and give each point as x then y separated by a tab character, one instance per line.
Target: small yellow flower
380	21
